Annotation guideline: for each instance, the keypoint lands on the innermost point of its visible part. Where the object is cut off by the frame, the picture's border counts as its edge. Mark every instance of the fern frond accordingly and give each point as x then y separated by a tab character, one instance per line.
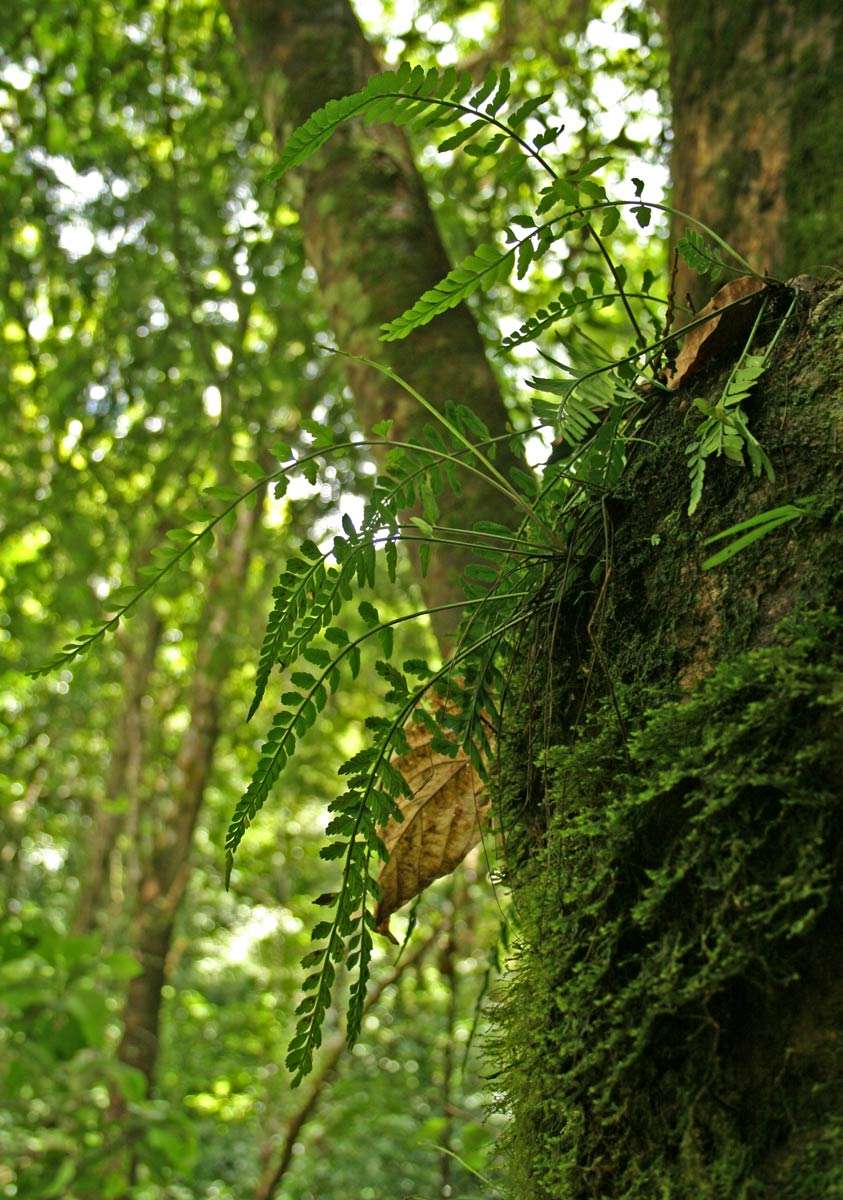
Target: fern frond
725	429
486	266
374	786
696	472
165	559
309	593
302	578
752	530
408	96
564	306
743	379
699	255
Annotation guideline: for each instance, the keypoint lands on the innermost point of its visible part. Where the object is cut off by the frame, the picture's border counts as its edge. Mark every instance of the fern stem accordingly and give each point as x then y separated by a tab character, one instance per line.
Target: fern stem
491	474
657	344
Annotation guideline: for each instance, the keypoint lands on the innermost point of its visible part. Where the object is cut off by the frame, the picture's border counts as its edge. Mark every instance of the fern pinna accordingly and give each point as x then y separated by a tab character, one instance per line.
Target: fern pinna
595	412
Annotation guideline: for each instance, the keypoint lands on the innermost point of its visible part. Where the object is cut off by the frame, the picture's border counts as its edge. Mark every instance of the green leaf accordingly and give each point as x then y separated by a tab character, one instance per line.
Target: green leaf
610	222
425	527
252	469
590	167
218	492
699	256
753	535
462	136
369	614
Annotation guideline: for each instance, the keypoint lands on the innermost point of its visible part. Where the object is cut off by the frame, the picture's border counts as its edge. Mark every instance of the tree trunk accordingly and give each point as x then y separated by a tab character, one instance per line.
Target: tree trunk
369	233
672	1024
123	776
757	112
164	877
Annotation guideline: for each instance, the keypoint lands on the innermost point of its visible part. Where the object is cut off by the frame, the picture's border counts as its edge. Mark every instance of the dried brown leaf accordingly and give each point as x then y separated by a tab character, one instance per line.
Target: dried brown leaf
441	822
706	342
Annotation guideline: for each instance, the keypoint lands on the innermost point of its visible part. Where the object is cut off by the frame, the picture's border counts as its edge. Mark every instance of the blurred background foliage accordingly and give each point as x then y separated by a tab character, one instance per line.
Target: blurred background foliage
156	328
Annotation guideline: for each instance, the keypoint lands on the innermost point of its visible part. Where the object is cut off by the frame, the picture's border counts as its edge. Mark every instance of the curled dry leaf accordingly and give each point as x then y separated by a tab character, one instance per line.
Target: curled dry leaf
442	822
712	338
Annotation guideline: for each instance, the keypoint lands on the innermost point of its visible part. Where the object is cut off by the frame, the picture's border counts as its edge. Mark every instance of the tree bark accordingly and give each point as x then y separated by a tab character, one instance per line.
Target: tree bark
370	234
164	877
757	111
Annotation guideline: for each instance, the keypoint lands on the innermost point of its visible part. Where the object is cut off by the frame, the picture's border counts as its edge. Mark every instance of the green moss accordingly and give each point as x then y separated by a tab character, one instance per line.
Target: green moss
667	1031
671	1029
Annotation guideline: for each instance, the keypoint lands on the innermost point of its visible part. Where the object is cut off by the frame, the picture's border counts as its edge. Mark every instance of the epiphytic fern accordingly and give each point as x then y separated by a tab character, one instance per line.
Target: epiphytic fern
596	412
725	430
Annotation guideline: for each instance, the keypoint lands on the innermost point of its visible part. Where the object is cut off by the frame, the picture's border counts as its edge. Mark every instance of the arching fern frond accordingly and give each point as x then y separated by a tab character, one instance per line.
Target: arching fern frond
414	98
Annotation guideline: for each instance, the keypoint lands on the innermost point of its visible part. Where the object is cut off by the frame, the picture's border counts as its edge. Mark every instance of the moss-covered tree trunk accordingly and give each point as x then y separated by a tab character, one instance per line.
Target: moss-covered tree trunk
671	799
757	102
369	232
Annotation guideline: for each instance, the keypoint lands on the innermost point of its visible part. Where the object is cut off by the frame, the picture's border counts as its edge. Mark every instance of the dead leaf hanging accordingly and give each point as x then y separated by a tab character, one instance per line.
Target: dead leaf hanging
703	344
442	822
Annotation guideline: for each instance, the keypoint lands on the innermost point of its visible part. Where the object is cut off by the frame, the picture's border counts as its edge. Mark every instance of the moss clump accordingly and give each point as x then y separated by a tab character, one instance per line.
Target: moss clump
668	1029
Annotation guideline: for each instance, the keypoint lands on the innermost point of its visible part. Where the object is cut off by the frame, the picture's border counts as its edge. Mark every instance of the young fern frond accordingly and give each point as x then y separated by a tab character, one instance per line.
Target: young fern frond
725	430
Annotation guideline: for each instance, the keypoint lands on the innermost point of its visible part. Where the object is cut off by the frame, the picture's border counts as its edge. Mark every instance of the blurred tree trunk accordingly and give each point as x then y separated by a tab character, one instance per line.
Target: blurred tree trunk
757	112
165	874
123	774
371	236
448	970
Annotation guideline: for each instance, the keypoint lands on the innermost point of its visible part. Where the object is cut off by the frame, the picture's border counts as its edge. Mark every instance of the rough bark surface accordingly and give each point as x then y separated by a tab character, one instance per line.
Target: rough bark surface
757	110
673	819
371	236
